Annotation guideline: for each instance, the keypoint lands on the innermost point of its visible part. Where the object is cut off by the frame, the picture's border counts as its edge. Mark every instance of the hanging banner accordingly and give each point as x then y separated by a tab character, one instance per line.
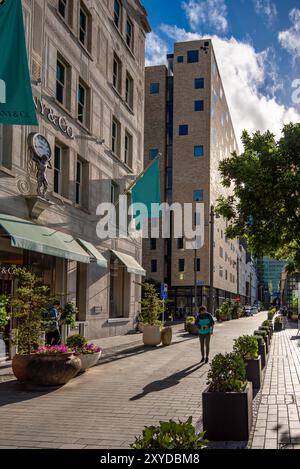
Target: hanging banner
16	100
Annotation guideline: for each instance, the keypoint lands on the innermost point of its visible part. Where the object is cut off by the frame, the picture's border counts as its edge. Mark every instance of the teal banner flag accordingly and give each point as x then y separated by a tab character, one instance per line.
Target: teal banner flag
16	100
147	189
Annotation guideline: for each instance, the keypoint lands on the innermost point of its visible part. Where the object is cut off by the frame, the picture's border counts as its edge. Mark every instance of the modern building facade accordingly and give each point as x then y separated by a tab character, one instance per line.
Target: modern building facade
86	61
188	122
247	276
269	274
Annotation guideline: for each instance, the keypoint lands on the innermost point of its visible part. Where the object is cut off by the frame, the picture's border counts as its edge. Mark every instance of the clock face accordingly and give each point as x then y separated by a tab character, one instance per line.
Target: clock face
41	146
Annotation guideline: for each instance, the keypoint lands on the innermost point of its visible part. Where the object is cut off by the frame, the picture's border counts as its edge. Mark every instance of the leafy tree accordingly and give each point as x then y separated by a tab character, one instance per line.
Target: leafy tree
264	206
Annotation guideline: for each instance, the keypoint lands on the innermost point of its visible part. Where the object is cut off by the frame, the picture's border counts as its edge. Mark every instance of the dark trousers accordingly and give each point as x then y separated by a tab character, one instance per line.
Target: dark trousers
204	344
53	338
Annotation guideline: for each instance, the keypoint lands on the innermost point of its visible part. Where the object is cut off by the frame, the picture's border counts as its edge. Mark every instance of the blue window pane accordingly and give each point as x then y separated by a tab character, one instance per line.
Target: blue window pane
199	83
198	151
193	56
154	88
199	105
180	59
183	130
153	153
198	196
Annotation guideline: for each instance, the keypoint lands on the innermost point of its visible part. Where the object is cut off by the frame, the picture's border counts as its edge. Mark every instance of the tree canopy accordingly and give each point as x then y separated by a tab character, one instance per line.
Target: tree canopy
264	206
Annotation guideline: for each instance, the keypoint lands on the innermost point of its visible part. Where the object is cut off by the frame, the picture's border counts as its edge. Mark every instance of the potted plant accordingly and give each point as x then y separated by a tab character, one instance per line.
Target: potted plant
170	435
227	402
190	325
271	314
268	331
261	350
166	335
265	337
151	308
4	319
29	300
247	347
268	324
89	354
278	324
53	365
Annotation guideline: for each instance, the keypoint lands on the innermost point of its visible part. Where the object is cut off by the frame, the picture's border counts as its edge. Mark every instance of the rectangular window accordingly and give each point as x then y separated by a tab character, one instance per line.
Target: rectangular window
197	265
82	104
198	151
221	252
153	244
115	137
83	28
58	169
62	8
180	59
129	91
153	265
153	153
129	34
181	265
128	149
117	14
154	88
61	73
78	192
183	130
199	106
117	74
192	56
180	242
199	83
221	271
198	196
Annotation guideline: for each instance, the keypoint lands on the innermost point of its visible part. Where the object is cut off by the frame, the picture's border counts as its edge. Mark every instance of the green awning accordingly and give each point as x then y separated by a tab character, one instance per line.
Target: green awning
26	235
132	266
91	249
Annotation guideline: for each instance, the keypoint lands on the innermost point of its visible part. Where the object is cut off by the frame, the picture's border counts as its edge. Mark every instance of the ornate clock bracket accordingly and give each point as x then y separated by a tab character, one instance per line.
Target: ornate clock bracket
37	205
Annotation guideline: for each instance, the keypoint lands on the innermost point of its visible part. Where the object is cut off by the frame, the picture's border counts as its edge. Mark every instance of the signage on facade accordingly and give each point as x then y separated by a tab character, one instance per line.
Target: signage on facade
164	291
59	122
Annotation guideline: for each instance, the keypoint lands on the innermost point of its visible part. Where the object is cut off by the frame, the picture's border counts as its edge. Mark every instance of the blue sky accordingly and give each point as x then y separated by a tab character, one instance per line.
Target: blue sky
257	43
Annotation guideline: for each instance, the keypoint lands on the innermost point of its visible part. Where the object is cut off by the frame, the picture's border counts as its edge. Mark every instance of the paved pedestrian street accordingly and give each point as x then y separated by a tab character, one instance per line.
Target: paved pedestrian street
135	386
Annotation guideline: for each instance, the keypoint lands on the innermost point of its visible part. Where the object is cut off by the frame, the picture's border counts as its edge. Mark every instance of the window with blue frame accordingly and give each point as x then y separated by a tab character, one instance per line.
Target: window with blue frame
198	196
192	56
199	105
199	83
180	59
153	153
154	88
198	151
183	130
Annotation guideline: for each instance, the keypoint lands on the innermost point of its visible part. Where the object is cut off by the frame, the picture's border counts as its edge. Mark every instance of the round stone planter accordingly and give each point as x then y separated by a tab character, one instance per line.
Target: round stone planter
166	336
20	365
88	360
193	329
141	327
53	370
151	335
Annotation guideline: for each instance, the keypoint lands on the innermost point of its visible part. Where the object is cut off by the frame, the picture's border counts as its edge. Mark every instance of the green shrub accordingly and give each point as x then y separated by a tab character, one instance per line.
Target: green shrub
261	333
76	341
3	312
69	313
190	319
267	323
170	435
260	339
247	347
227	373
278	319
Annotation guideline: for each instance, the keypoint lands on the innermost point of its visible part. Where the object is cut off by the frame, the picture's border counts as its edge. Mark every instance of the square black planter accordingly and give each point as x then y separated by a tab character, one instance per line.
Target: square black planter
263	355
227	416
278	326
253	372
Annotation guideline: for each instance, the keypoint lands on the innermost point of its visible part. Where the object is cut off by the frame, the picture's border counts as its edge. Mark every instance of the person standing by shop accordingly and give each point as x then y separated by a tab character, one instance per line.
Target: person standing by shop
205	324
51	317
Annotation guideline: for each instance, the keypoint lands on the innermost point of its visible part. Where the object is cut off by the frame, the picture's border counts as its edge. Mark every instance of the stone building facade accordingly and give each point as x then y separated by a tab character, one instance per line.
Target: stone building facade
86	60
188	122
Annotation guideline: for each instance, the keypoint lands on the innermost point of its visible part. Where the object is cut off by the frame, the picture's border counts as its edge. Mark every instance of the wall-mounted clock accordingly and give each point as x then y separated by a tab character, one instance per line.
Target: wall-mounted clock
39	145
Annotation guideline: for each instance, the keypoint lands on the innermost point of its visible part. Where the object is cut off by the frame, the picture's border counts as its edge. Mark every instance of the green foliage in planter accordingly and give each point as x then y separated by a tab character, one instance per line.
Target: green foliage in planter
190	319
247	347
170	435
264	328
267	323
227	373
76	341
260	339
261	333
29	301
4	300
278	319
68	315
151	304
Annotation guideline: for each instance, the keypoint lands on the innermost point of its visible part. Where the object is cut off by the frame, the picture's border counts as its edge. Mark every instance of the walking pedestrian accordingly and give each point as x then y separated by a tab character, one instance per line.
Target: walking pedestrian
205	323
51	317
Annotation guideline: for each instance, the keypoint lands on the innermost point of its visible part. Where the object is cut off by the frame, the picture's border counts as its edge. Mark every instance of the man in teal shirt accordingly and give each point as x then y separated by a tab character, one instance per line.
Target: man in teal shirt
205	323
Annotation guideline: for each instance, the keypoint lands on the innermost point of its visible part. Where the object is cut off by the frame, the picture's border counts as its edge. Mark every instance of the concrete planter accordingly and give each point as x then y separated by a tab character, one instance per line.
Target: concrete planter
53	370
227	416
166	336
263	355
253	372
141	327
20	365
151	335
88	360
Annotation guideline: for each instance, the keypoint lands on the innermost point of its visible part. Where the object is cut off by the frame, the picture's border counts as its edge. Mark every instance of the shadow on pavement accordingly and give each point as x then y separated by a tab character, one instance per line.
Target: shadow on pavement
14	391
167	382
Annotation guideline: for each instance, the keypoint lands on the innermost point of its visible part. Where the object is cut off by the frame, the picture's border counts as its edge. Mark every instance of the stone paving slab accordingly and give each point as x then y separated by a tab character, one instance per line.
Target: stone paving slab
110	404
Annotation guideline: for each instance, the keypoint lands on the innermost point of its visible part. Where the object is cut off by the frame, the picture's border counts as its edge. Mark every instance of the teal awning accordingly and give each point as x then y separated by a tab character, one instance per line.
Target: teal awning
132	266
26	235
90	248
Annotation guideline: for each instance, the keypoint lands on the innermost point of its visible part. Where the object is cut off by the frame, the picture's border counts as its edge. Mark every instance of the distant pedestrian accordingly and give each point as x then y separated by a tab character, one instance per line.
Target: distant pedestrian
51	317
205	323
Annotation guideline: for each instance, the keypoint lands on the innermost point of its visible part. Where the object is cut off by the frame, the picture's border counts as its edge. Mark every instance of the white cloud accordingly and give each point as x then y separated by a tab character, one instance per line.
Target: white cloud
290	39
156	50
244	72
267	9
212	13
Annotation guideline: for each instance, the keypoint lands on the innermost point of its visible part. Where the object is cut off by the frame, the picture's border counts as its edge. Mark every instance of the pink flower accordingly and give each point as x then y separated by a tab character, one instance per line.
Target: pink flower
52	349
